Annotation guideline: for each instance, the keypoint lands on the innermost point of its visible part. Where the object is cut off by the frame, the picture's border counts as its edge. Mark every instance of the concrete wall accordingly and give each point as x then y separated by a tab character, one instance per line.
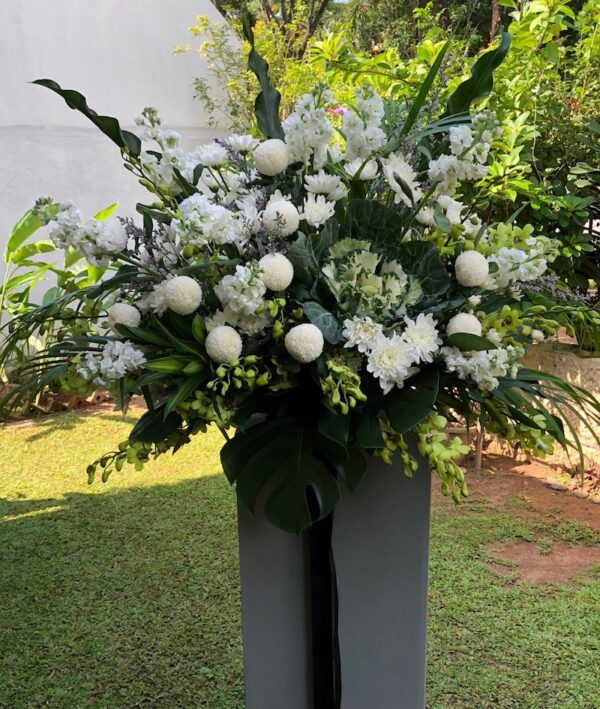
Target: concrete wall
118	53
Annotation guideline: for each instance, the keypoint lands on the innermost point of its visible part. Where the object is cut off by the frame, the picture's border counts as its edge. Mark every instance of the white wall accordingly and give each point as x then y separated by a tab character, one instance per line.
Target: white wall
118	53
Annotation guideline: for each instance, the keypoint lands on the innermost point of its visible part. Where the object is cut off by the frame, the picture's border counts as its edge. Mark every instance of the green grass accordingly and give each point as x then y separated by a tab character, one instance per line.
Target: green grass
126	594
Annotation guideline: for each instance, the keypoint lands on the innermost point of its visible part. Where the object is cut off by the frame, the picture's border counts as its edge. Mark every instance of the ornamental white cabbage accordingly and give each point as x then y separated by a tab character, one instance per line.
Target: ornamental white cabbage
271	157
463	323
277	271
123	314
471	269
182	295
223	344
304	342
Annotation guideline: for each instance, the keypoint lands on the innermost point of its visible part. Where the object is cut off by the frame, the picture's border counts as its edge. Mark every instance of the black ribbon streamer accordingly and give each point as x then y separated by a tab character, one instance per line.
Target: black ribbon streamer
326	663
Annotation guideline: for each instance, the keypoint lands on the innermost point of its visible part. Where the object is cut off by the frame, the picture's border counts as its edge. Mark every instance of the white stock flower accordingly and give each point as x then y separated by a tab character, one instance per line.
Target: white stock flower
471	269
402	178
116	359
370	169
308	130
329	185
461	138
182	295
317	210
281	218
271	157
361	333
474	300
304	342
390	360
242	143
361	125
423	336
516	265
277	271
123	314
110	237
242	292
464	323
201	222
537	335
223	344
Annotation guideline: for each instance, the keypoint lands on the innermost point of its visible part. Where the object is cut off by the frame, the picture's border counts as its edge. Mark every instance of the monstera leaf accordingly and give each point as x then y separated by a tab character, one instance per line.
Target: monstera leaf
422	260
408	406
294	471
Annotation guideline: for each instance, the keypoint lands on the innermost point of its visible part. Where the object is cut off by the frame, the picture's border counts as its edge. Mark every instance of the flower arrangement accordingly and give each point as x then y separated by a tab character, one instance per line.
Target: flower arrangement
324	292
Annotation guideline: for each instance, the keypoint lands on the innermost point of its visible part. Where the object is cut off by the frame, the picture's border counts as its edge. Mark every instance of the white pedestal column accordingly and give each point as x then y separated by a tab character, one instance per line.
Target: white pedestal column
380	542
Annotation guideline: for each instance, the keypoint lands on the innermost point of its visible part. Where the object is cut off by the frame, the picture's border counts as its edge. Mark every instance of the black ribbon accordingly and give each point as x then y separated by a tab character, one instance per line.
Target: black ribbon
326	663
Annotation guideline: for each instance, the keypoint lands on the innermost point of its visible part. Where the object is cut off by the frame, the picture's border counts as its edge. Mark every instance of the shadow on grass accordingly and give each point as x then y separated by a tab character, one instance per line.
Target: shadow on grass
70	421
122	599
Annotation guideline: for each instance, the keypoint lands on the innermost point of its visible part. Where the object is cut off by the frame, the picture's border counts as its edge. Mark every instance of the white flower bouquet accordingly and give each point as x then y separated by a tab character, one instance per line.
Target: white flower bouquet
327	293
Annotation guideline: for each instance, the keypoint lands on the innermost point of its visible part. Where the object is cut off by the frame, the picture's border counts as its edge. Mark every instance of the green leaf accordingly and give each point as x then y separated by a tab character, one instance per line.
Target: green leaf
406	407
139	334
481	80
28	250
183	391
105	213
198	329
279	463
470	343
368	429
371	220
324	320
422	260
27	225
109	126
424	90
305	266
154	427
168	365
335	427
266	106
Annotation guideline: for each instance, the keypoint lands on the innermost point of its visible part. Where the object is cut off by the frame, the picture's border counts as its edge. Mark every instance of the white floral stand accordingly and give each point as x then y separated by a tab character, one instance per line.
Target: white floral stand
380	542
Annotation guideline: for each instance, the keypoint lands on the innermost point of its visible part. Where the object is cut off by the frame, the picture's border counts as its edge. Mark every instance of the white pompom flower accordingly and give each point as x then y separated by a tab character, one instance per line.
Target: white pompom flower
463	323
123	314
304	343
223	344
271	157
281	217
278	271
471	269
182	295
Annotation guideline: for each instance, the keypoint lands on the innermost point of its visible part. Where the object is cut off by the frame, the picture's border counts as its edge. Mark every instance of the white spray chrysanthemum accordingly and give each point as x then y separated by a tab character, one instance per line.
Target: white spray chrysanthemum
223	344
463	323
317	210
361	333
281	218
304	342
278	271
471	269
422	334
271	157
182	295
123	314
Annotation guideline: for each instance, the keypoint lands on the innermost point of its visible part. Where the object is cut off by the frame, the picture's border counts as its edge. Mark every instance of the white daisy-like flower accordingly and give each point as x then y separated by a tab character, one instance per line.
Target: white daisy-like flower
123	314
537	335
281	217
271	157
317	210
304	342
464	323
211	155
182	295
242	143
370	169
422	334
361	333
223	344
471	269
278	271
329	185
402	179
390	360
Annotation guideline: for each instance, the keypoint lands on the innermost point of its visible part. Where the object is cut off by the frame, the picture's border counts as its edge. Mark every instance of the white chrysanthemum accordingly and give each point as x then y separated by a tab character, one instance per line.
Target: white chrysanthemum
464	323
361	333
471	269
223	344
271	157
123	314
242	143
210	155
369	171
304	342
422	334
402	179
391	360
317	210
281	218
182	295
329	185
278	271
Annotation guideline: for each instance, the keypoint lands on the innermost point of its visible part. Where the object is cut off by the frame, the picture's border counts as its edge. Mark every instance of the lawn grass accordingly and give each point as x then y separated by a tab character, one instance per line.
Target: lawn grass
126	594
